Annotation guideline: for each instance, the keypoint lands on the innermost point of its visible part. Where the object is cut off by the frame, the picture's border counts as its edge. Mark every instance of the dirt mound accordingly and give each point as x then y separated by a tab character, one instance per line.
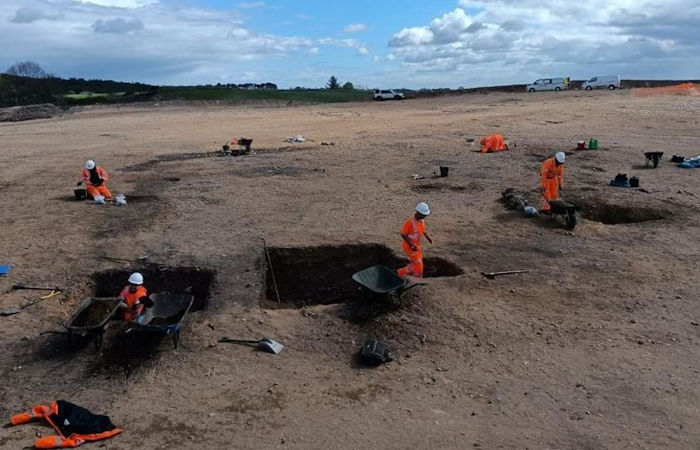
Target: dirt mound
18	113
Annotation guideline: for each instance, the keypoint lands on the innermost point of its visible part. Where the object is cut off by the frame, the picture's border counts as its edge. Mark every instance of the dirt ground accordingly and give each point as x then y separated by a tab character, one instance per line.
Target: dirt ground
598	346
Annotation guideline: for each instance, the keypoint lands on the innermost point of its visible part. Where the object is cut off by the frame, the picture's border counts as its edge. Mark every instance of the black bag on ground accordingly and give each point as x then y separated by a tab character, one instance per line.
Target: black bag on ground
374	353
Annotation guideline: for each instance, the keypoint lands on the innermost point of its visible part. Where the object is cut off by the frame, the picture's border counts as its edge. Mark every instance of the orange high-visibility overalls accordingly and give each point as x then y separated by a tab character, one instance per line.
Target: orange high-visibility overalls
551	178
134	307
493	143
414	229
93	190
56	411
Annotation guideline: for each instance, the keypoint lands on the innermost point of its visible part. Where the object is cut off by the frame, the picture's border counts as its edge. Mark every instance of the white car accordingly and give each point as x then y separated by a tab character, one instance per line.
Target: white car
610	82
387	94
547	84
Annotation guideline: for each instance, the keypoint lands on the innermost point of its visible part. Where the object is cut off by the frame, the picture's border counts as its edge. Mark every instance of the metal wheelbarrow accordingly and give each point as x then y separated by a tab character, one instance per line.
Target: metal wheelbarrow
91	317
653	157
383	281
166	315
565	210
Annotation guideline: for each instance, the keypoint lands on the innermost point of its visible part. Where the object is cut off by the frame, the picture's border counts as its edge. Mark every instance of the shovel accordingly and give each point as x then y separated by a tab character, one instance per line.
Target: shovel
264	344
20	286
9	311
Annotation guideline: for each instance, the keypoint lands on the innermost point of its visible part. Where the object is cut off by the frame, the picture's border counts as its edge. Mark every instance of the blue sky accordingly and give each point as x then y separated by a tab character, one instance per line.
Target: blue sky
389	43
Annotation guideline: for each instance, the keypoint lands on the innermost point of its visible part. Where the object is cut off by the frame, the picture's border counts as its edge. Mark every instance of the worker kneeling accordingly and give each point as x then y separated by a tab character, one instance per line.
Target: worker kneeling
411	233
94	178
493	143
134	298
552	178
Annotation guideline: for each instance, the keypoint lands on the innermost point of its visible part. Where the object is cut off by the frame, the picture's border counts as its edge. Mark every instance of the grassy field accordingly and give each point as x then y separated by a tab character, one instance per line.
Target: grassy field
295	95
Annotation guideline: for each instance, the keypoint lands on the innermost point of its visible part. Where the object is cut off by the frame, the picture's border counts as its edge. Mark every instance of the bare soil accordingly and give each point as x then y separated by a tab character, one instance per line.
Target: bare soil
598	346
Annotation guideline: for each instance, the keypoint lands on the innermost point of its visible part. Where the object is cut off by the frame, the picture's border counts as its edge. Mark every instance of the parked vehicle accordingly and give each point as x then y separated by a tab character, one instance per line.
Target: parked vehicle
609	81
387	94
548	84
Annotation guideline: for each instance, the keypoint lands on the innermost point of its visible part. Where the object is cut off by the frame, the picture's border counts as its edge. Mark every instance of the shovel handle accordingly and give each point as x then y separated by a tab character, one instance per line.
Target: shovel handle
237	341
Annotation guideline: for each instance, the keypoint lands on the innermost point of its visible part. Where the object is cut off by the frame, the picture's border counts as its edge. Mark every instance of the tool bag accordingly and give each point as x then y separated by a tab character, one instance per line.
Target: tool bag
374	353
75	425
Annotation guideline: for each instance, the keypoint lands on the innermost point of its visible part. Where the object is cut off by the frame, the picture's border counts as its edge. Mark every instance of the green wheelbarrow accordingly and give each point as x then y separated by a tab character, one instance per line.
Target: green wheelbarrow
382	281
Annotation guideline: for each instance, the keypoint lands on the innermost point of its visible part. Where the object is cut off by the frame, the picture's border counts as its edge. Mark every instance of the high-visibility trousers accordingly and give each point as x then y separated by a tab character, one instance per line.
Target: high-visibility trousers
551	192
98	190
415	264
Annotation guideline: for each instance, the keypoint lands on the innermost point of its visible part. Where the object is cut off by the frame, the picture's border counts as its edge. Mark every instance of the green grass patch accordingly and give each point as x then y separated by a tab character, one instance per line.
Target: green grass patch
84	95
293	95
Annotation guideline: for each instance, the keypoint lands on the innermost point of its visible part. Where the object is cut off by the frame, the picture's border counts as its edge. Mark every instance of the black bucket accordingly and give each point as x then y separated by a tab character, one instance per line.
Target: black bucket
80	194
634	182
444	171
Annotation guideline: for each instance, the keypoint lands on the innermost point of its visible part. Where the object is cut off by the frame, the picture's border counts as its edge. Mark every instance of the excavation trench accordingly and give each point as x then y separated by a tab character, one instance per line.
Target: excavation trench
612	214
307	276
176	280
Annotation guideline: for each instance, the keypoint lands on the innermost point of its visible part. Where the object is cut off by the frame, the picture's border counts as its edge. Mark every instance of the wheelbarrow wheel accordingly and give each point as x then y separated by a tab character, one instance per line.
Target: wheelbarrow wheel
656	161
570	220
395	298
98	342
176	340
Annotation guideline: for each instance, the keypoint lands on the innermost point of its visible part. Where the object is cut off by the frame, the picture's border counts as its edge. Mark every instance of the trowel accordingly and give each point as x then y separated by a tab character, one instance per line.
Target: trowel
265	344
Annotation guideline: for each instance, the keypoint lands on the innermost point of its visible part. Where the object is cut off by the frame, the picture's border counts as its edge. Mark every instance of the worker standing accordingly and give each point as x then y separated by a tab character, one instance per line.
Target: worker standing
411	233
134	297
94	178
552	178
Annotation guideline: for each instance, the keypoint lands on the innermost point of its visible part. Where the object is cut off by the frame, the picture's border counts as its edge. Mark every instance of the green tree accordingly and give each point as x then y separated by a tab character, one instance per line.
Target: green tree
348	86
332	83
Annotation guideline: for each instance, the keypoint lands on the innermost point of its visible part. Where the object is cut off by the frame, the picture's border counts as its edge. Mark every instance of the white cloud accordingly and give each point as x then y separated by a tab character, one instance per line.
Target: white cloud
252	5
156	43
355	27
515	40
117	26
119	3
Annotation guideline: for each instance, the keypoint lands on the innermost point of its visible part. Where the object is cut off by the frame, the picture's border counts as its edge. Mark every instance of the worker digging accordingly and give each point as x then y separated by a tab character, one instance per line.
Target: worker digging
493	143
411	233
94	178
135	298
551	179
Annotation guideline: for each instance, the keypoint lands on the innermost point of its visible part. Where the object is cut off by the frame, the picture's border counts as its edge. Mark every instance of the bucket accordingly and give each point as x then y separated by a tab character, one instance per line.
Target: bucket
593	144
80	194
581	145
634	182
444	171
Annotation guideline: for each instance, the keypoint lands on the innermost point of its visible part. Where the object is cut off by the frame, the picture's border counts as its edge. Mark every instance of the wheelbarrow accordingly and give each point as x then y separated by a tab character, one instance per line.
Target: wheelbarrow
653	157
166	315
91	317
383	281
565	210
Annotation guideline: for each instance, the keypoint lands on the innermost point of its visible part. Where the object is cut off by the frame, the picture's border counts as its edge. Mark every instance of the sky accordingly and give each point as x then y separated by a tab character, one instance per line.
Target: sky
373	44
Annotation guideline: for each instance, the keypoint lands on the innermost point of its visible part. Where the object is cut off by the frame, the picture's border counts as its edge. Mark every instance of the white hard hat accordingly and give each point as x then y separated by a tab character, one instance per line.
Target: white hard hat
136	278
89	164
423	208
560	157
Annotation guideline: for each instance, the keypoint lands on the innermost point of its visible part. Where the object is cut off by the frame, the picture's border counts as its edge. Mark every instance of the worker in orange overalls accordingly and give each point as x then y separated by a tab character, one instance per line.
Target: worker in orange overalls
134	298
552	178
493	143
94	178
411	233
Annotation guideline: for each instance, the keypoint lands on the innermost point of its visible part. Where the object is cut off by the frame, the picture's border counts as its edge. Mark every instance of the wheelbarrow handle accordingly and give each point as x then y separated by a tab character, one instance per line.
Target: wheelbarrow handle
412	285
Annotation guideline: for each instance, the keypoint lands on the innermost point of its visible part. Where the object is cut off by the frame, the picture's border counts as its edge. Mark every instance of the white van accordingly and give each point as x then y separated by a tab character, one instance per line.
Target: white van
610	82
546	84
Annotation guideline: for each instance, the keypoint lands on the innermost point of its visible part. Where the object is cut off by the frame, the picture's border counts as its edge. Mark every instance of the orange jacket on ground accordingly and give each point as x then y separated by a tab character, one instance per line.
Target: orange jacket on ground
493	143
57	414
85	175
135	308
